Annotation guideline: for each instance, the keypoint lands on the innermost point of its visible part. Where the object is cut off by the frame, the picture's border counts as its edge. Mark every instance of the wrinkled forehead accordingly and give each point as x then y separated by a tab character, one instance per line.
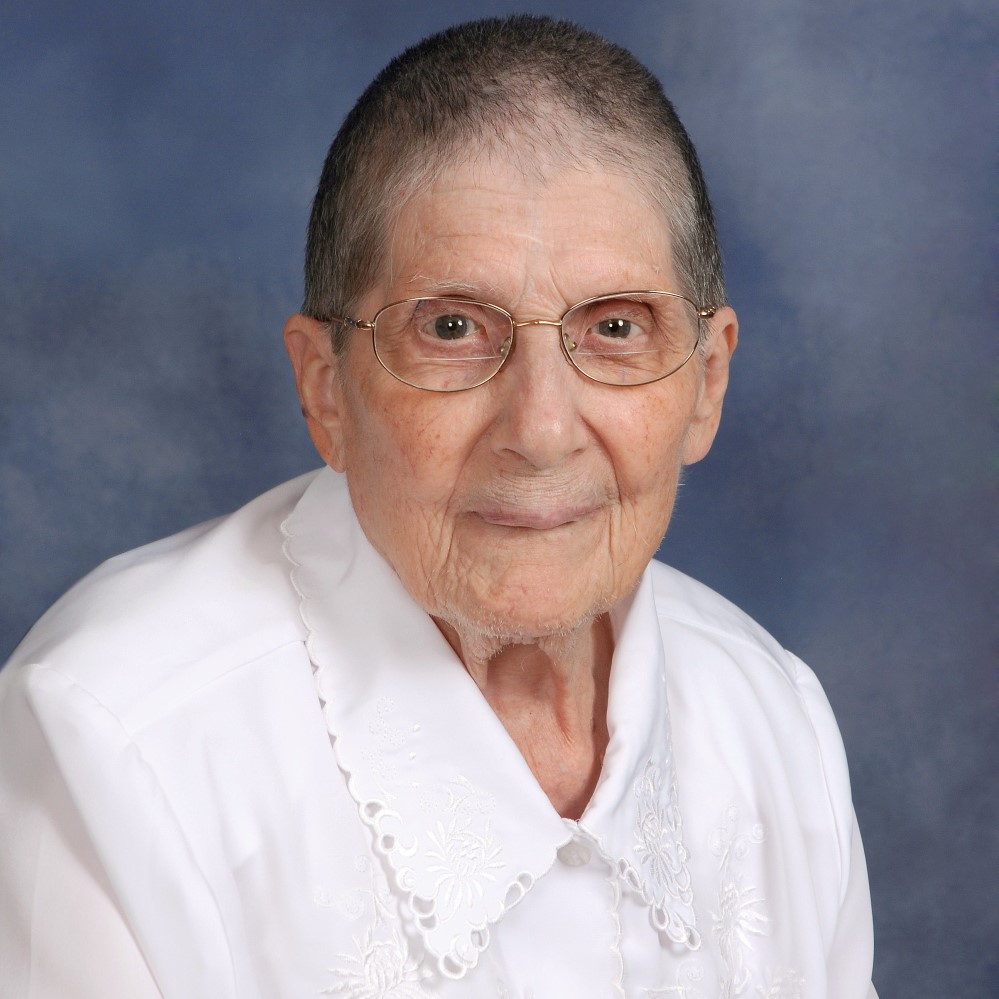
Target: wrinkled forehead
517	229
492	184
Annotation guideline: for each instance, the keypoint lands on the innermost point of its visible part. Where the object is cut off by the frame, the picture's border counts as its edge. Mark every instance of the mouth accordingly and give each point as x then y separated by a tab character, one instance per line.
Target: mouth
534	519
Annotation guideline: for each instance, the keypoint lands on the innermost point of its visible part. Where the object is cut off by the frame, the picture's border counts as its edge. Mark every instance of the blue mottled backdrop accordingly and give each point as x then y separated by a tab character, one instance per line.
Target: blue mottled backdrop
156	166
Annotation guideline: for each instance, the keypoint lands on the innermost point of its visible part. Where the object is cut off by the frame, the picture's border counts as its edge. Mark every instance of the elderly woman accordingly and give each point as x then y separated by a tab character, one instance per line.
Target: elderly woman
430	722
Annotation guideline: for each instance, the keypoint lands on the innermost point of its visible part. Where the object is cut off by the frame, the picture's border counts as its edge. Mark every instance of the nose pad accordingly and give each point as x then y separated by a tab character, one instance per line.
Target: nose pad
568	344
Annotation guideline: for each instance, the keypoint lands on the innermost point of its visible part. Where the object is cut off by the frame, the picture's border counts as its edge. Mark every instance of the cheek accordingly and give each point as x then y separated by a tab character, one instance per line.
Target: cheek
648	485
414	447
648	450
405	456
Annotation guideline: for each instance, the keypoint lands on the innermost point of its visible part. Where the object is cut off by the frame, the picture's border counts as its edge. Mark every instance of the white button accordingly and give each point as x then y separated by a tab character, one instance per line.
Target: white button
574	854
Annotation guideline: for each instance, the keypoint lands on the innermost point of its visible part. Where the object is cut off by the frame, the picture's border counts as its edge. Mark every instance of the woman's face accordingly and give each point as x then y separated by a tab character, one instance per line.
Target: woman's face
530	504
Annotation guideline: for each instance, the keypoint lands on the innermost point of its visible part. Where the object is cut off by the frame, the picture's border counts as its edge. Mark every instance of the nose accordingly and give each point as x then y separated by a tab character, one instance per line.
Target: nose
540	397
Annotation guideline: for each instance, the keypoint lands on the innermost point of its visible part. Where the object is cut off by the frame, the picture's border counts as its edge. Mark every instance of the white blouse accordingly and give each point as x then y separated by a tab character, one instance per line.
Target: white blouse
242	762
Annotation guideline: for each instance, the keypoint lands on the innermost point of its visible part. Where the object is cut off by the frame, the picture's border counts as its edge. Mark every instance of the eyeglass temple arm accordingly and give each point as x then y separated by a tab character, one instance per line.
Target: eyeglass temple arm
358	324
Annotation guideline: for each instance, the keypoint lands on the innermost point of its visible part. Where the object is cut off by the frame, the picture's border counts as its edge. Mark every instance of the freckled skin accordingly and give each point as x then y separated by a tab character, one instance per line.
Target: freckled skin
436	478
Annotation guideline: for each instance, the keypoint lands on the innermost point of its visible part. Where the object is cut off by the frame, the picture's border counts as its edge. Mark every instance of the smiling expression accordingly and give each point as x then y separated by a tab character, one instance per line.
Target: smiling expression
529	505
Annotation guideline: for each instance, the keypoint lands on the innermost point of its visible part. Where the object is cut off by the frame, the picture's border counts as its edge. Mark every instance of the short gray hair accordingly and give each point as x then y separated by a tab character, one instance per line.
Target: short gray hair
479	82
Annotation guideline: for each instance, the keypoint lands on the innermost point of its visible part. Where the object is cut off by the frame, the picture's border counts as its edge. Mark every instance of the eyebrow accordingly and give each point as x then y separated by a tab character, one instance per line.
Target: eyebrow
451	287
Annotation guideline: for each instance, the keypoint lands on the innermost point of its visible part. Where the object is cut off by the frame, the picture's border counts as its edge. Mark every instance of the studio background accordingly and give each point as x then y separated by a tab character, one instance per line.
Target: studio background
157	163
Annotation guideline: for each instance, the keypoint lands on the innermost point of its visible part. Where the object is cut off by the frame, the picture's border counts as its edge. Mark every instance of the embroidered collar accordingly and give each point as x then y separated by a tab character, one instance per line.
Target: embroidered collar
452	805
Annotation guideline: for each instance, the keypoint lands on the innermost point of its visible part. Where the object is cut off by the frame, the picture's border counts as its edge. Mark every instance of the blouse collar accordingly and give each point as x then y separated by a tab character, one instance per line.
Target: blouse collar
452	805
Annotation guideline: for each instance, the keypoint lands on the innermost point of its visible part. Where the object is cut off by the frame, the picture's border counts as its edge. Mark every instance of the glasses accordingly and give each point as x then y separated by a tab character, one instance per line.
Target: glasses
453	344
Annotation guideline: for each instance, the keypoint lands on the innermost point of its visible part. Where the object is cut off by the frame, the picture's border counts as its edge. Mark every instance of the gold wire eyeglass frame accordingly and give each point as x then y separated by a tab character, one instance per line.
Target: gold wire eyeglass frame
566	343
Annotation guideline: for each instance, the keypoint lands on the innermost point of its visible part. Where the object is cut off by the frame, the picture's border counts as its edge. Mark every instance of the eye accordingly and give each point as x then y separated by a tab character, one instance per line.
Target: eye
611	326
453	326
617	328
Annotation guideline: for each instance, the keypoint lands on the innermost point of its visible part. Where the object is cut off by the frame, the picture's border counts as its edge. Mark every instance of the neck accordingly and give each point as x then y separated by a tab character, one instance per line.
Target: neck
551	695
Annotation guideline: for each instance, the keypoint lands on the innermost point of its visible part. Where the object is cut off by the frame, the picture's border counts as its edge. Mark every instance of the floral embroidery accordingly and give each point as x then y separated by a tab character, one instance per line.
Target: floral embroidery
663	856
381	727
464	853
450	875
387	740
383	964
741	911
381	968
660	847
464	861
738	920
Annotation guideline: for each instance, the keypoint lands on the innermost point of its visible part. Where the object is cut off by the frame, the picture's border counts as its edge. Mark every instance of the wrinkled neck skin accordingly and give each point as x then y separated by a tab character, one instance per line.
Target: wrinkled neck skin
550	693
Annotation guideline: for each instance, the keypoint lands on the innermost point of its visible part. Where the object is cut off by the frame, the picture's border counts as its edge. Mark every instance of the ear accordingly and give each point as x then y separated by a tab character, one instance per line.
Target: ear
722	338
317	376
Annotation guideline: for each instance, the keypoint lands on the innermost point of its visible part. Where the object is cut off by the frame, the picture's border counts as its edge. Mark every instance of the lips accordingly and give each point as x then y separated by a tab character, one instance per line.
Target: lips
534	519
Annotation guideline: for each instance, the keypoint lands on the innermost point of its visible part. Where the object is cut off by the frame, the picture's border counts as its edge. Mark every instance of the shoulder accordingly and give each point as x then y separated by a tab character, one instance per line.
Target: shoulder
196	604
685	605
730	678
724	666
717	645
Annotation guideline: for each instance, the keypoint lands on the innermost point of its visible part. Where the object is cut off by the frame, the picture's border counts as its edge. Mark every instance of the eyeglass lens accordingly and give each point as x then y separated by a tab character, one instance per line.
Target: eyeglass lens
447	345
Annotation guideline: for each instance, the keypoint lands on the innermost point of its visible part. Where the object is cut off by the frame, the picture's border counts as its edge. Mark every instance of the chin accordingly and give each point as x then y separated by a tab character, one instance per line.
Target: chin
526	613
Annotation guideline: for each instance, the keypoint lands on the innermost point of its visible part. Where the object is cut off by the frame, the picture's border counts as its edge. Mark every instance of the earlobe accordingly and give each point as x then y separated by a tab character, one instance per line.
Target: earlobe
723	337
315	367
